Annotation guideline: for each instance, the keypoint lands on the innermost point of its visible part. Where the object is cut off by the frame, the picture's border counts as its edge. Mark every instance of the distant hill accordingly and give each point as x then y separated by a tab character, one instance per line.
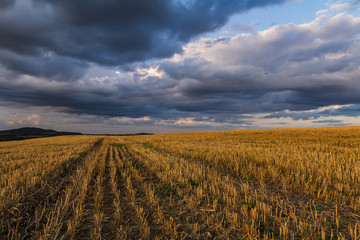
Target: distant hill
31	132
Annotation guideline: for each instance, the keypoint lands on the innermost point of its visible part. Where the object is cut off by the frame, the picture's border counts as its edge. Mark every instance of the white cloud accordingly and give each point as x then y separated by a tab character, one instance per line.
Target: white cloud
340	6
322	12
33	119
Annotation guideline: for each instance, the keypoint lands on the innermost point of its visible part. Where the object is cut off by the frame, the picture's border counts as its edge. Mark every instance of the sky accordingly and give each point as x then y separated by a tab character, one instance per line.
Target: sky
121	66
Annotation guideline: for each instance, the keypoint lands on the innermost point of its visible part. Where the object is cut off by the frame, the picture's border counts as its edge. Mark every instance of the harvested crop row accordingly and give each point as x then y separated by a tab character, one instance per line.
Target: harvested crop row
189	199
29	164
162	225
235	185
322	163
34	210
212	198
68	212
82	224
117	225
303	220
141	228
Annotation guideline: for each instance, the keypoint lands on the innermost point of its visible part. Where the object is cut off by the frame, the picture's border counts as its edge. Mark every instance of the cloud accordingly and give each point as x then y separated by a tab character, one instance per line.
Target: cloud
110	33
328	121
188	122
126	121
9	122
46	66
21	119
297	67
331	111
340	6
33	119
6	4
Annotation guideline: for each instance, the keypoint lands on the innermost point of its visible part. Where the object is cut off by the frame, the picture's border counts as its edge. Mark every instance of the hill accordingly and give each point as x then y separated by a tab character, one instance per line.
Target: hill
31	132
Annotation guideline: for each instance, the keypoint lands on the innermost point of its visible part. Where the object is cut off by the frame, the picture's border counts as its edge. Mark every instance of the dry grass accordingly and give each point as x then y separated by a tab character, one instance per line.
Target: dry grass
258	184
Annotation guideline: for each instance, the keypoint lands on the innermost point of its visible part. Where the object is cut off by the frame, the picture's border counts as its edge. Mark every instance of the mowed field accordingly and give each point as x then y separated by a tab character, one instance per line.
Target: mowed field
250	184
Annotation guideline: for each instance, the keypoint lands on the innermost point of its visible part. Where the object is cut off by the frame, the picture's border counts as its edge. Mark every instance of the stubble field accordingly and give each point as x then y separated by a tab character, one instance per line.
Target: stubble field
251	184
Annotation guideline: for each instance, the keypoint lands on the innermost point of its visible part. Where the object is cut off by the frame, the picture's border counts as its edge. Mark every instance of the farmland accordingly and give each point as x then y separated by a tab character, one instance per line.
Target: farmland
248	184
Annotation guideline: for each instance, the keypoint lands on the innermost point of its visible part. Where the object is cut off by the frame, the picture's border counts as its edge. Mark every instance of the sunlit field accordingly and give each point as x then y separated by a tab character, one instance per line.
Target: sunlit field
247	184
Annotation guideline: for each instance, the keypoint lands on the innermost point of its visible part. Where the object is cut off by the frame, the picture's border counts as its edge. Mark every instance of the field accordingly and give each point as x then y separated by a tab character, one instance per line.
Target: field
250	184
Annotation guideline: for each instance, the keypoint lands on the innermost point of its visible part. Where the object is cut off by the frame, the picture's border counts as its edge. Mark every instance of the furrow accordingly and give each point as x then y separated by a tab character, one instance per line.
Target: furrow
33	212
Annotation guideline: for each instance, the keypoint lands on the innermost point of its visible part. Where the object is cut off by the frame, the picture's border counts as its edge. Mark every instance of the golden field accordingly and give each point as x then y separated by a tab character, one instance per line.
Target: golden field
246	184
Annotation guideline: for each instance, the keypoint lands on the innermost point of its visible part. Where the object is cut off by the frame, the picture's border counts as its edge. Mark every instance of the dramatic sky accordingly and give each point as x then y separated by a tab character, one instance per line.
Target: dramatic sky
126	66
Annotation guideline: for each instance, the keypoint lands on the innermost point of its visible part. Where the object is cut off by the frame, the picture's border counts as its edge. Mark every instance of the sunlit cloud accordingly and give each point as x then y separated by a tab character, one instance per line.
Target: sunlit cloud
9	122
146	118
188	122
340	6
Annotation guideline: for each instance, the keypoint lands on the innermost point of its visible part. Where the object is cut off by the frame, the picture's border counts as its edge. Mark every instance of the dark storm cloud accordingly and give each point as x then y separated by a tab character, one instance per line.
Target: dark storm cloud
71	100
294	67
47	66
6	3
205	78
108	32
